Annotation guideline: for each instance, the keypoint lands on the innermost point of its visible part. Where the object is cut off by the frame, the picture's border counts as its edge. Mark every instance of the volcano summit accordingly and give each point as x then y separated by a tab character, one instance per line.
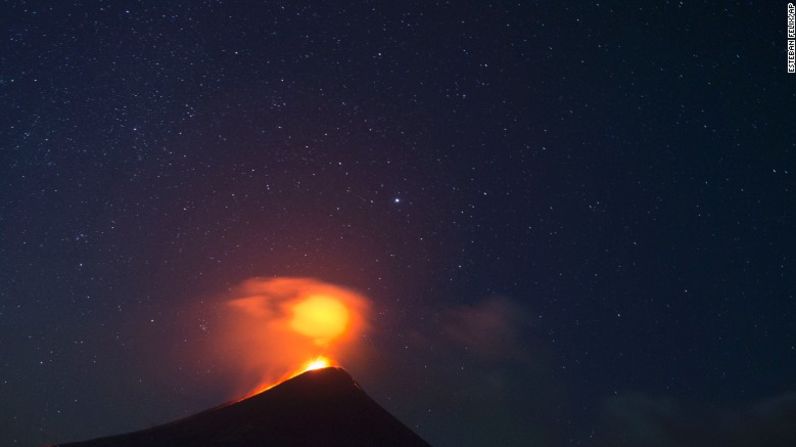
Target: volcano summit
322	407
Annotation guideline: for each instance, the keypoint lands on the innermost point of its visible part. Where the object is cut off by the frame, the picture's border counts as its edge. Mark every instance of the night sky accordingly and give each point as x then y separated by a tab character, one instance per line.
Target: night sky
574	222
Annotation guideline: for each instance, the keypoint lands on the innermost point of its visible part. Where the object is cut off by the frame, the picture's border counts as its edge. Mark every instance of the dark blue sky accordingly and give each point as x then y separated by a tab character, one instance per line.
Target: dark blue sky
574	222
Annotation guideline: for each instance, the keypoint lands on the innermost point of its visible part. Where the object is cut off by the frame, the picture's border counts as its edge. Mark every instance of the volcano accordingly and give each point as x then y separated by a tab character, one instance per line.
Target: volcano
322	407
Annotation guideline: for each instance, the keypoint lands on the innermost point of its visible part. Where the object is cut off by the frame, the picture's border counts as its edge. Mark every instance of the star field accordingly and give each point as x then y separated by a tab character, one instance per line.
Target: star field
573	221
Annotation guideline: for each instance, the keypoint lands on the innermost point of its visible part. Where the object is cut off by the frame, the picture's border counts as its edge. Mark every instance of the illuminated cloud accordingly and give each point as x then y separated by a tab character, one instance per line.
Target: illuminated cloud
273	328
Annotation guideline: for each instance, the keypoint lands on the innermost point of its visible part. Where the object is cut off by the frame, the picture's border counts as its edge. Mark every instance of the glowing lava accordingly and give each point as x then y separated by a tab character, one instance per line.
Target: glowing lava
319	362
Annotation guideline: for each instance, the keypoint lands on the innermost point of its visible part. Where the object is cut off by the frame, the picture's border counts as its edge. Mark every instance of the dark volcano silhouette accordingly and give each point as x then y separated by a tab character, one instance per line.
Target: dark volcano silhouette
324	407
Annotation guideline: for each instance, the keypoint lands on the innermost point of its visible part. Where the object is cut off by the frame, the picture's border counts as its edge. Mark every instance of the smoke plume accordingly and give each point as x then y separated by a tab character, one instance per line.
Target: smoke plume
272	329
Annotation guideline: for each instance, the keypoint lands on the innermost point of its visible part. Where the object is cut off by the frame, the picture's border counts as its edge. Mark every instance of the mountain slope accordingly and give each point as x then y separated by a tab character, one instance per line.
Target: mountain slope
324	407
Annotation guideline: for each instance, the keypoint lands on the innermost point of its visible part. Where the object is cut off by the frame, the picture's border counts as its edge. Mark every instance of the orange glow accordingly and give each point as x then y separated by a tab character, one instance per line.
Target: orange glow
269	328
319	317
319	362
